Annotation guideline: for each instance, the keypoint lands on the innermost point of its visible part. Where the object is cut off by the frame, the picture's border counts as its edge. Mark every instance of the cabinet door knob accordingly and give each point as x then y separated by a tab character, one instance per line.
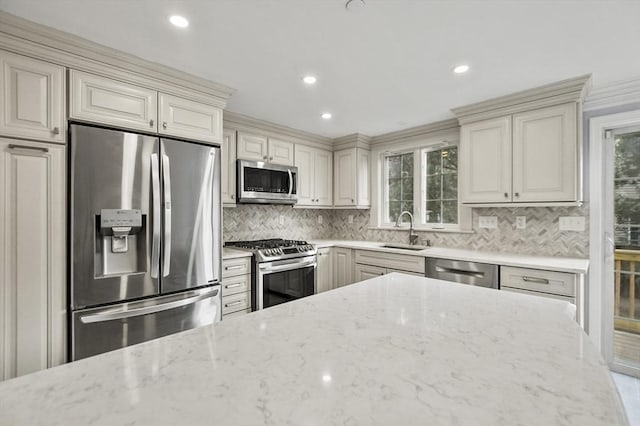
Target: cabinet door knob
264	158
517	194
164	125
151	123
232	196
352	201
56	130
270	158
506	195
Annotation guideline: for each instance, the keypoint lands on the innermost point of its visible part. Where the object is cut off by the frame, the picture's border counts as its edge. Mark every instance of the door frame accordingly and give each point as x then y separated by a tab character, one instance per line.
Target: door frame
601	291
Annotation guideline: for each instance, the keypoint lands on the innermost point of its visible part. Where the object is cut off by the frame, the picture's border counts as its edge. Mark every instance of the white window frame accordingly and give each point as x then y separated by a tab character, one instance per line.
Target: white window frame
423	190
379	187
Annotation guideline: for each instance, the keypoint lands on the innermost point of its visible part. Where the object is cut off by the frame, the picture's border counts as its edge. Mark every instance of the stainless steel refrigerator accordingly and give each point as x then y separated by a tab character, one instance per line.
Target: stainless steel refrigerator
145	244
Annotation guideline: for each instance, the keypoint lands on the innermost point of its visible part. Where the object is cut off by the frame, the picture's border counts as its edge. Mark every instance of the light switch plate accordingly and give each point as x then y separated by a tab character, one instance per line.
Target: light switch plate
521	222
488	222
320	219
571	223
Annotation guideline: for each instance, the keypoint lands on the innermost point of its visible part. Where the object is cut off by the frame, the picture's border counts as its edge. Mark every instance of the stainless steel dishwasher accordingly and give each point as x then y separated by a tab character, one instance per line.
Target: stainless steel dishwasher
460	271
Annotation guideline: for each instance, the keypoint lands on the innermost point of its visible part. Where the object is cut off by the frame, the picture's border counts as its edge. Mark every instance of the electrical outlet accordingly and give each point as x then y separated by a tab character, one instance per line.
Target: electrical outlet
488	222
521	222
571	223
281	220
320	219
350	218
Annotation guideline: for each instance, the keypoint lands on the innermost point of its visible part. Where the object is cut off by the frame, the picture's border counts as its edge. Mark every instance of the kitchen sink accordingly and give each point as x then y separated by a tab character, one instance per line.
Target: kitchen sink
402	246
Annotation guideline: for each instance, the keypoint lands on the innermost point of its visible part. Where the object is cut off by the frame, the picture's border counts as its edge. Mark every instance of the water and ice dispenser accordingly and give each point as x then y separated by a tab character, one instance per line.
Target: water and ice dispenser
121	242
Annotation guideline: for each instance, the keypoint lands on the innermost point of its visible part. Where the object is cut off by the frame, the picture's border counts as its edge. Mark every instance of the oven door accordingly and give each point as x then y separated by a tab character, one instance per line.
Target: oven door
285	280
260	182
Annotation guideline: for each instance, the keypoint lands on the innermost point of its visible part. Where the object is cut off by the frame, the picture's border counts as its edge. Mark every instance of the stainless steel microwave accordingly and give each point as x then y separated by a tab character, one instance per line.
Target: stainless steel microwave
264	183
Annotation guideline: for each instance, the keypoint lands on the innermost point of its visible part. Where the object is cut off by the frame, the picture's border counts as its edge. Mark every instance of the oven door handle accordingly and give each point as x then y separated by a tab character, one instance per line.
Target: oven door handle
288	267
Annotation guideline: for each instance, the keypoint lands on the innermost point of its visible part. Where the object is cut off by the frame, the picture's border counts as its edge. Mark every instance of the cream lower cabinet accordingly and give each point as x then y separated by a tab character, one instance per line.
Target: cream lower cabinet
32	257
529	157
236	287
550	284
364	272
31	98
324	271
315	176
342	266
370	264
228	160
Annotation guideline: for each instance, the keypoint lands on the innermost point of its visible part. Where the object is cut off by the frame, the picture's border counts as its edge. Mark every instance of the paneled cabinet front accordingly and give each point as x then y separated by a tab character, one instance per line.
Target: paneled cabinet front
324	271
106	101
315	172
256	147
351	182
31	98
32	257
228	161
529	157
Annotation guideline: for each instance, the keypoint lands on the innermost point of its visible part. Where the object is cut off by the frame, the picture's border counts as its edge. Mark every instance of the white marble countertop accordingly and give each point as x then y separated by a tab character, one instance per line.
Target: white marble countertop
229	253
393	350
560	264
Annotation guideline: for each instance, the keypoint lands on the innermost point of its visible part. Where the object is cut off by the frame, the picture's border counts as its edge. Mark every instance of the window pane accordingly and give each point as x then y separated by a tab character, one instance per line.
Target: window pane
407	189
408	206
394	165
394	211
433	162
432	211
450	186
395	193
407	166
433	187
450	211
450	160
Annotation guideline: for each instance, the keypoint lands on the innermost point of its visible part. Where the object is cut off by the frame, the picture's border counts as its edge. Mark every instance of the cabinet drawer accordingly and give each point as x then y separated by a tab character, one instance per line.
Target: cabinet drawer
236	314
234	267
560	283
237	284
391	260
236	302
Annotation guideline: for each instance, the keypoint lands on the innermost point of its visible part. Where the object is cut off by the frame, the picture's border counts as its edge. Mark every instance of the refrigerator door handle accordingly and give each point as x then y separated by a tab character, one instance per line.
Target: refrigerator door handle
136	312
166	180
155	245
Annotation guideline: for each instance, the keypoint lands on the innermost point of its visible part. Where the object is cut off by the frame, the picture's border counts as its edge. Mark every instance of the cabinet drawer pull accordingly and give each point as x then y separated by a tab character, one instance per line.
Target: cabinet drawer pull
237	302
536	280
506	195
232	285
151	123
230	268
33	148
56	130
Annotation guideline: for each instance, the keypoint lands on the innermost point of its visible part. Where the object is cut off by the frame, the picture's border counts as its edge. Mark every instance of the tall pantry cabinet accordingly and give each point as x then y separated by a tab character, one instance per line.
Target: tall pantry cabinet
32	215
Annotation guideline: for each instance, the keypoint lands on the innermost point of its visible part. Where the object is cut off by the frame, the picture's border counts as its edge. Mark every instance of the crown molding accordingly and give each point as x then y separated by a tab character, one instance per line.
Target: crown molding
41	42
569	90
354	140
613	94
438	128
237	121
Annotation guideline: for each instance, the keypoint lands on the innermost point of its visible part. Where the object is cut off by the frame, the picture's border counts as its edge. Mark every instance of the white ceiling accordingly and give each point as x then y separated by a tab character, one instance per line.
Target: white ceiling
384	67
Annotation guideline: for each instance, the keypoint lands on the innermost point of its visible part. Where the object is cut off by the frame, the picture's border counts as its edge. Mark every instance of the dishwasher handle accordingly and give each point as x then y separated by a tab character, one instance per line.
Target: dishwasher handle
476	274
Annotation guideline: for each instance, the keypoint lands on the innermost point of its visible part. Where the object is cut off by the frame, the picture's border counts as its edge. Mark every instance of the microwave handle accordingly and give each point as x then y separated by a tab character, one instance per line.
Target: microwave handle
290	181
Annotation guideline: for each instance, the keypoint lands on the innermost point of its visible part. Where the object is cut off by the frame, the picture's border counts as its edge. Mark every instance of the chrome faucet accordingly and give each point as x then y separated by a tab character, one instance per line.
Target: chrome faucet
413	237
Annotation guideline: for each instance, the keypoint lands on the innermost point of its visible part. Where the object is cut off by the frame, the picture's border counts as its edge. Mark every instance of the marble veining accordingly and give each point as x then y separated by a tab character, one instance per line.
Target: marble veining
394	350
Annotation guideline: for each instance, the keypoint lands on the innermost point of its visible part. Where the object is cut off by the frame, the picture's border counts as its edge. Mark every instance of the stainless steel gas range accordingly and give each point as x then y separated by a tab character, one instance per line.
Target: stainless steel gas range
283	270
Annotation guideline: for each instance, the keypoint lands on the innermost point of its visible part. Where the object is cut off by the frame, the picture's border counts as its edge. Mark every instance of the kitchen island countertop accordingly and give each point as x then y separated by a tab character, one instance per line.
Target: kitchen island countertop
396	349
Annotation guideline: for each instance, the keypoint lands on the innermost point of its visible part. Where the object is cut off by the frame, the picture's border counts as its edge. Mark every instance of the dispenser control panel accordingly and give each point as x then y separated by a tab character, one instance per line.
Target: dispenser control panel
116	218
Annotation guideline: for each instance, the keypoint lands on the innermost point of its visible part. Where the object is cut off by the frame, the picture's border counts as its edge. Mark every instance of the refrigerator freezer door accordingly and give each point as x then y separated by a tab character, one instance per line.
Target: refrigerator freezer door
100	330
192	240
111	171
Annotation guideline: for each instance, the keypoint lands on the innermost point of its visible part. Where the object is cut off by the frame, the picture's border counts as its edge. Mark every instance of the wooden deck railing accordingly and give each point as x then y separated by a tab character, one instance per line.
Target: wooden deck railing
627	313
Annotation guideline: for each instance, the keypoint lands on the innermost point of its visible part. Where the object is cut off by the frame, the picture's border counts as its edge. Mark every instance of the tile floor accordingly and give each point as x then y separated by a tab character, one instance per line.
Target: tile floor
629	388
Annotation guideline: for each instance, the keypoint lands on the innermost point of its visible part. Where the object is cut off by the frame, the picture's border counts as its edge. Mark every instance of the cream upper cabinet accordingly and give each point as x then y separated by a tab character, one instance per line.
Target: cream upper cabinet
324	271
257	147
351	180
32	94
315	172
485	161
228	160
342	266
280	152
32	257
545	155
528	157
188	119
106	101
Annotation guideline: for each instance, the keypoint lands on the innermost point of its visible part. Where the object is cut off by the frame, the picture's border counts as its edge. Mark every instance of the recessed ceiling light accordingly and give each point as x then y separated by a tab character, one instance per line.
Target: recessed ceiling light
461	69
326	115
309	79
179	21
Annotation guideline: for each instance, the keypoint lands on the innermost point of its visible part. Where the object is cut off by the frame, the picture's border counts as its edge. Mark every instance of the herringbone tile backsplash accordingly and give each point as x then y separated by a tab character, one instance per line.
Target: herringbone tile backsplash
541	236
